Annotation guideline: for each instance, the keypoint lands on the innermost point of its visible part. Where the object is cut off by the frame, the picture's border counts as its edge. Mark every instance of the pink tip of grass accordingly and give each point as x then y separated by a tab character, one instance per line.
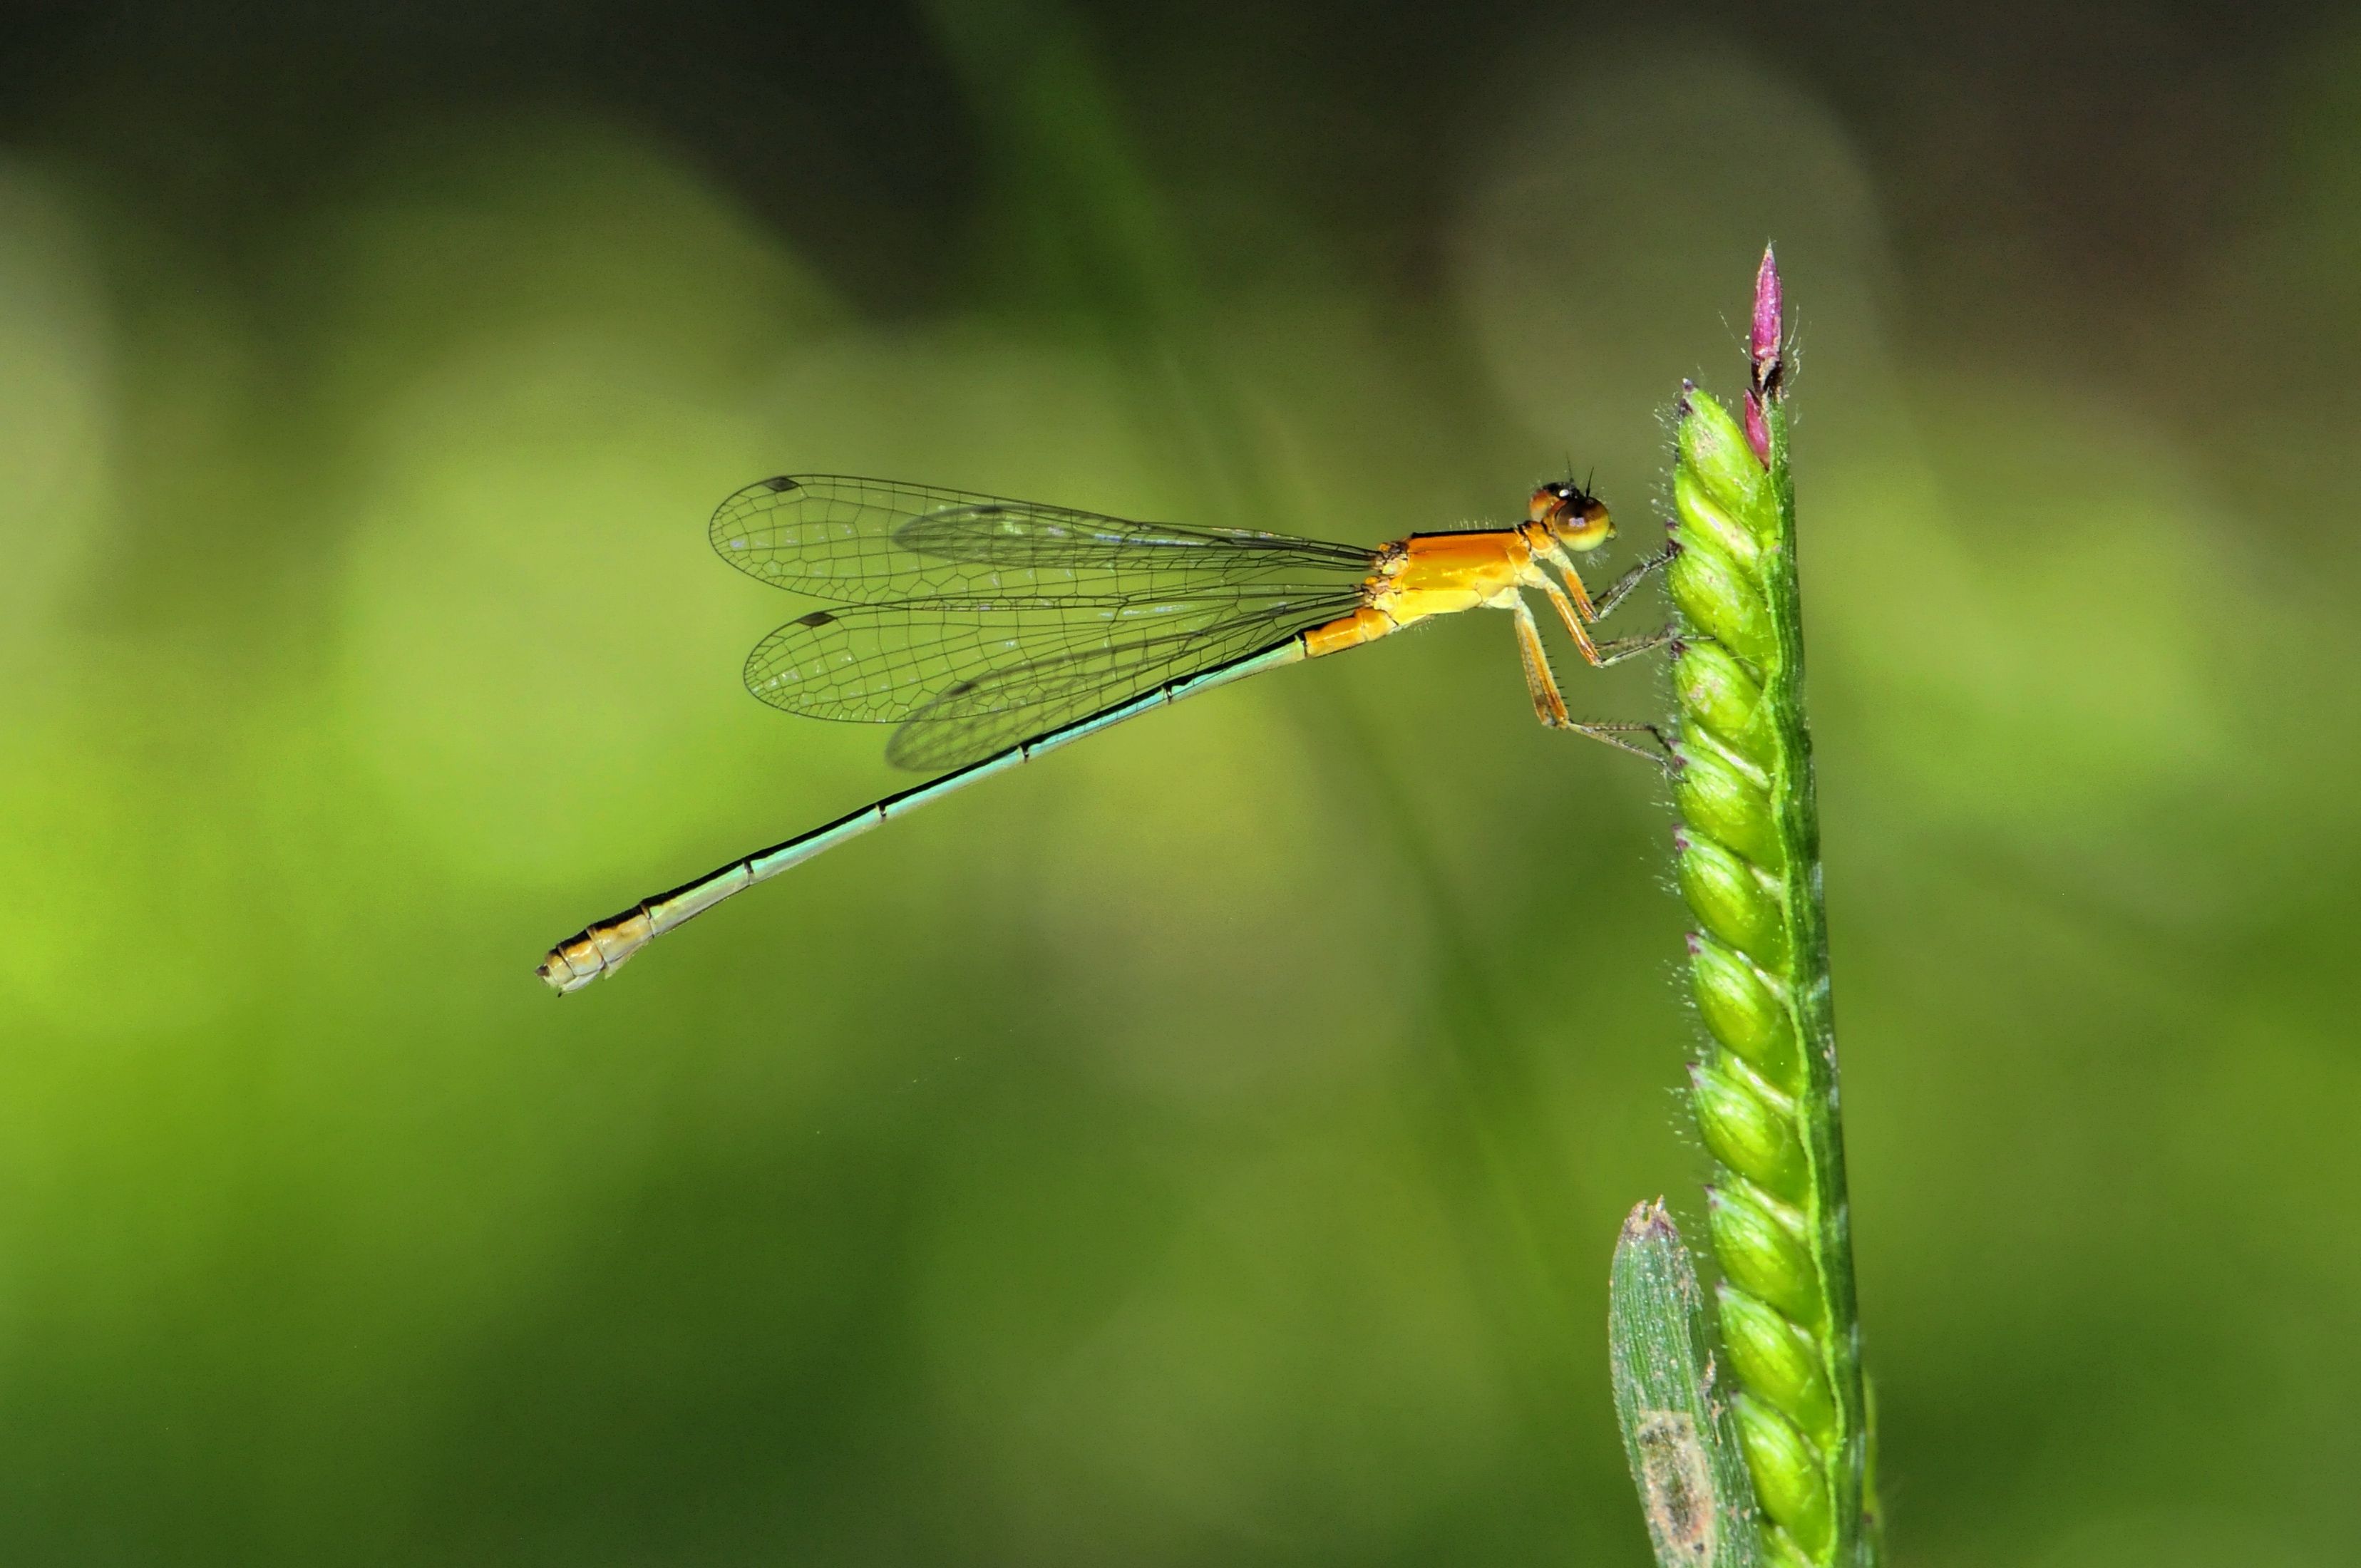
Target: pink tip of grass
1758	435
1765	347
1766	314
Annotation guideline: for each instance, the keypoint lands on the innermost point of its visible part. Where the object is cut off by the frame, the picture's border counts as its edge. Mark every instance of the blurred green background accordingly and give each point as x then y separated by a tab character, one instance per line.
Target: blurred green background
1204	1147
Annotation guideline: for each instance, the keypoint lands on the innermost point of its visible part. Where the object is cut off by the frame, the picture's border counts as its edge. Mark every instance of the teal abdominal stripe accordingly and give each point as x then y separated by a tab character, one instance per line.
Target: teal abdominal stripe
610	943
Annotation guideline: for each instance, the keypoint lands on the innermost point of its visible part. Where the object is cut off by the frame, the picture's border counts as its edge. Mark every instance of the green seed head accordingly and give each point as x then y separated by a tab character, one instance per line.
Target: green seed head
1788	1478
1767	1101
1717	693
1703	519
1761	1254
1777	1363
1722	796
1747	1132
1744	1013
1714	592
1732	899
1714	446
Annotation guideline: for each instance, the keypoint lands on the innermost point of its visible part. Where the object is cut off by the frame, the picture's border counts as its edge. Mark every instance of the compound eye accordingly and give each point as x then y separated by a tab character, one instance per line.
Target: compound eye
1548	505
1585	524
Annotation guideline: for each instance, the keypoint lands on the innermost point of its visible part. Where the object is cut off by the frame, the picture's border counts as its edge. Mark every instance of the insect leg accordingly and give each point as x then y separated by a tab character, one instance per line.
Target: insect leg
1616	593
1623	648
1612	733
1567	610
1549	706
1599	654
1621	587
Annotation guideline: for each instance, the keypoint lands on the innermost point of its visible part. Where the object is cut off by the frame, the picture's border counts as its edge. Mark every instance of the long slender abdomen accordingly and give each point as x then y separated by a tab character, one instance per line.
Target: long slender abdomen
607	945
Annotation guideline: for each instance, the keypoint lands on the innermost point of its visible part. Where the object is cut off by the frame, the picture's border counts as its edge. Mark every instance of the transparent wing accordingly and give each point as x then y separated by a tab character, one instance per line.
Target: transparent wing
879	540
966	681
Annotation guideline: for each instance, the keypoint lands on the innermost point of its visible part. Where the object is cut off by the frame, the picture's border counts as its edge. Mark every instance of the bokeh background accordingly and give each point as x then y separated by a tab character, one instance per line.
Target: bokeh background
1204	1147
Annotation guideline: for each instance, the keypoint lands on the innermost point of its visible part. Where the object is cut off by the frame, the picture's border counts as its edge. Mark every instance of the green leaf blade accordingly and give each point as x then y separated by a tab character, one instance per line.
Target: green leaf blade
1677	1432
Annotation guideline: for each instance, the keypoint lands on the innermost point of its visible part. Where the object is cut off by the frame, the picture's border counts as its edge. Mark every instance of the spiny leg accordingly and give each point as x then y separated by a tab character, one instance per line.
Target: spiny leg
1565	611
1663	757
1623	648
1595	612
1549	706
1617	592
1621	589
1557	556
1602	653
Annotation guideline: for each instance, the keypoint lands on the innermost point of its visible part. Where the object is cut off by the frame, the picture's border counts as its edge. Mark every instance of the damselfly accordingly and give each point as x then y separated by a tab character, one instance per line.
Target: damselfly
992	631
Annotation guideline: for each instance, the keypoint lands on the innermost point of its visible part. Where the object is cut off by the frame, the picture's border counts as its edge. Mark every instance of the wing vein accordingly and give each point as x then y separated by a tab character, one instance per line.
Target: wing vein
859	540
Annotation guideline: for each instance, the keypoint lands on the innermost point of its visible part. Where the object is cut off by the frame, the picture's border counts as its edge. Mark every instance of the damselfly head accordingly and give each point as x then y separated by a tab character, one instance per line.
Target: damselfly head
1578	518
